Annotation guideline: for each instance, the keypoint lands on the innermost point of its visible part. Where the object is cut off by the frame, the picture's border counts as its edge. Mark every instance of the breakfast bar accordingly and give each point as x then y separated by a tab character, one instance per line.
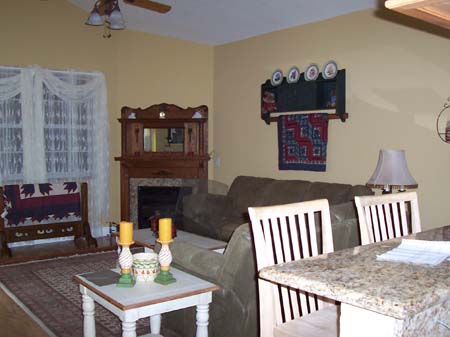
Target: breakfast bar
378	298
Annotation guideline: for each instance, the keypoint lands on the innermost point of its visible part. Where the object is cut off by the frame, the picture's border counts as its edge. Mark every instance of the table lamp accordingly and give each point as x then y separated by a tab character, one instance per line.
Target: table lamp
391	172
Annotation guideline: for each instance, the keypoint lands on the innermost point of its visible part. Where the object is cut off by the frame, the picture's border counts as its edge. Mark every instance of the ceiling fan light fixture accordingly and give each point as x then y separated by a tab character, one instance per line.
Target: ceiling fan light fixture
107	13
94	18
116	20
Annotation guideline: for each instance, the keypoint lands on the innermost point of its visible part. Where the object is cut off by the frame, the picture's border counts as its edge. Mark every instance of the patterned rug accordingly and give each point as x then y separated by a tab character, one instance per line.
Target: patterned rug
302	142
46	289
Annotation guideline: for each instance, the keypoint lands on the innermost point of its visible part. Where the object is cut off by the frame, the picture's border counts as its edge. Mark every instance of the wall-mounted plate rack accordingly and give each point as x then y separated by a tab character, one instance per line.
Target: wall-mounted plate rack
321	94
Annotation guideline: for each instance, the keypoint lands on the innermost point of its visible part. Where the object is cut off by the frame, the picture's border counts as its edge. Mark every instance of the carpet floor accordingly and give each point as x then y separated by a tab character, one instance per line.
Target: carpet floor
47	290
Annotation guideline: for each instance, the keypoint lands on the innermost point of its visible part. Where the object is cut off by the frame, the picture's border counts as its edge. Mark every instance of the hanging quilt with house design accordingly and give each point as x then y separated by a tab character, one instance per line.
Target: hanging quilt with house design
302	142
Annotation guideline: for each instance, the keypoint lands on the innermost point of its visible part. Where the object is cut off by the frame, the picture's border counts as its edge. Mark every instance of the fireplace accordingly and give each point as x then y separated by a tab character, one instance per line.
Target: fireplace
162	201
149	160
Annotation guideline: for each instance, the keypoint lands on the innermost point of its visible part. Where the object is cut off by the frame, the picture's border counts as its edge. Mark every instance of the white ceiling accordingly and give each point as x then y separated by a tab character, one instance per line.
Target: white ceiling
217	22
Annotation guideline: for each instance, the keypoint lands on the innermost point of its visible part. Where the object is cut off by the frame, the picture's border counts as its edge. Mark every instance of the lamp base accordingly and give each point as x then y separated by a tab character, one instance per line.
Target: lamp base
126	281
165	277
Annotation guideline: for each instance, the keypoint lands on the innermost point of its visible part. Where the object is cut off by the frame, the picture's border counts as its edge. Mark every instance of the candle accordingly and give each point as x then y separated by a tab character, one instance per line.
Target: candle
165	229
126	232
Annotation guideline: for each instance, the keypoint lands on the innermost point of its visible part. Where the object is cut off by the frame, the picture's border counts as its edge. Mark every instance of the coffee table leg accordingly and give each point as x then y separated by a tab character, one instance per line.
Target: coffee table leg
129	329
202	320
155	324
88	316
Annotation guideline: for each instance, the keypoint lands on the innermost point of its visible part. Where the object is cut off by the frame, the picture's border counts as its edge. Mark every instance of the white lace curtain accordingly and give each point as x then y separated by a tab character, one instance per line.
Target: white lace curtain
54	127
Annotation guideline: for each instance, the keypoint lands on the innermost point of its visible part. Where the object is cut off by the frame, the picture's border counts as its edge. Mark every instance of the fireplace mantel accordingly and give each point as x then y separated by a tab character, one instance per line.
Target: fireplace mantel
141	158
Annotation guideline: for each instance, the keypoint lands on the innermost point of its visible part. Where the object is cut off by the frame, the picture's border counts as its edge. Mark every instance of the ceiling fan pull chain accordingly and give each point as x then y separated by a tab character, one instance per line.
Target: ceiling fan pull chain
106	32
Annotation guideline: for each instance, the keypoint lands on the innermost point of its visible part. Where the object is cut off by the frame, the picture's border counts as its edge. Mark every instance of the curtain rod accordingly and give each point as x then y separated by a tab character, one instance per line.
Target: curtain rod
56	71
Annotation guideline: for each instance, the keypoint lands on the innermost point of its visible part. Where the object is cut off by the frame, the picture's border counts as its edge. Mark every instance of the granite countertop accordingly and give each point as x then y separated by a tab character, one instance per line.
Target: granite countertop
353	276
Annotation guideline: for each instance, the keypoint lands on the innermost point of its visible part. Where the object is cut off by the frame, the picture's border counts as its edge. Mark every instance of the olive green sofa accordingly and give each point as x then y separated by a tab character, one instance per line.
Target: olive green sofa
234	310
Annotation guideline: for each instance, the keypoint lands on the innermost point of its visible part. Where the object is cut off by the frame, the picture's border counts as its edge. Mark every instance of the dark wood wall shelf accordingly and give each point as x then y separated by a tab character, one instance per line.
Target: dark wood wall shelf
319	95
331	116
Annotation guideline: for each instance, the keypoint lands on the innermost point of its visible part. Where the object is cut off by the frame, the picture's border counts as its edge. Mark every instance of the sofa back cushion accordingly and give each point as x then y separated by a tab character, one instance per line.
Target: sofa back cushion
247	191
279	192
358	190
335	193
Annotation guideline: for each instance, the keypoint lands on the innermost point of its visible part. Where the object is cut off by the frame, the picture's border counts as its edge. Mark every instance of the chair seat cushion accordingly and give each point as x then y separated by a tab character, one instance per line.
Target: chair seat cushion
321	323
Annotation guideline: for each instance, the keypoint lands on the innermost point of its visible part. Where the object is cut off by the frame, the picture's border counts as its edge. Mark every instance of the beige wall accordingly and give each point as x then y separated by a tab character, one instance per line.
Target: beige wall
140	69
397	81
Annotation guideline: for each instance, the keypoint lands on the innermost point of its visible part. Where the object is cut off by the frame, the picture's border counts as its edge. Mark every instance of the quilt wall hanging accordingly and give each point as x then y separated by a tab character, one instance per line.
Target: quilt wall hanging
302	141
29	204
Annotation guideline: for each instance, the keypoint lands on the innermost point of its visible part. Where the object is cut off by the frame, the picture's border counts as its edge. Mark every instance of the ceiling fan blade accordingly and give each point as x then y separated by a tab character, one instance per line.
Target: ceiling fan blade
151	5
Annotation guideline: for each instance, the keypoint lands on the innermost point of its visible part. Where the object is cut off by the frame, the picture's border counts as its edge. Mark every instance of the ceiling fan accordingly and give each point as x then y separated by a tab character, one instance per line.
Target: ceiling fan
107	13
150	5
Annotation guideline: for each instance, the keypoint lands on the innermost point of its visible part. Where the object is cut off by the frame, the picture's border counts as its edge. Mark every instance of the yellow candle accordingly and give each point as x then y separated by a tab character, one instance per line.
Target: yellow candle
165	229
126	232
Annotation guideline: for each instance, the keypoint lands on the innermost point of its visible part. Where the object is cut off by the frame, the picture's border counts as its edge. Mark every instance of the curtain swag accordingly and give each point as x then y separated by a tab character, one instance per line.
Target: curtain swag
54	127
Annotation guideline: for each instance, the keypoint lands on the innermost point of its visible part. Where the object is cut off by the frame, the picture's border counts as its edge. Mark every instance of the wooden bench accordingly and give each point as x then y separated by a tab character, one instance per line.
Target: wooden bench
43	211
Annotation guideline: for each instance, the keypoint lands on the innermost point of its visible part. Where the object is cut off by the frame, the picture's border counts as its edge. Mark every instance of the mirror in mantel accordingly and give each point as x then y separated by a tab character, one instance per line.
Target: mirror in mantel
163	139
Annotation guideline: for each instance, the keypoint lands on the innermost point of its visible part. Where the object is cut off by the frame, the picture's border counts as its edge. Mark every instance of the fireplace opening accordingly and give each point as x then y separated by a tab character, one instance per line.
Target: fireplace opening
164	201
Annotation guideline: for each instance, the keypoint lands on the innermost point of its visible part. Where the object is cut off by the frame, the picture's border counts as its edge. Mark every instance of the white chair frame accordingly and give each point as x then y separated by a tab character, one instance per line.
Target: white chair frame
384	217
285	233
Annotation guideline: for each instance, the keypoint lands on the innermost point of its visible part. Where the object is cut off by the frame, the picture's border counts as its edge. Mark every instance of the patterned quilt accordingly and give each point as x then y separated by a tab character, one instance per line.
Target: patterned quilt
302	142
32	204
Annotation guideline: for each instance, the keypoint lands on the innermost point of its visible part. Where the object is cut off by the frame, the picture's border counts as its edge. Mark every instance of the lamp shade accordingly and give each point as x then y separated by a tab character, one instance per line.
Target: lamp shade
116	20
392	170
94	18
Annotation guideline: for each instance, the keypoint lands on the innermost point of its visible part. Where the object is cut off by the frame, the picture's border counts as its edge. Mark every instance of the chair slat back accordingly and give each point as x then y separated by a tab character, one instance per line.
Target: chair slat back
388	216
285	233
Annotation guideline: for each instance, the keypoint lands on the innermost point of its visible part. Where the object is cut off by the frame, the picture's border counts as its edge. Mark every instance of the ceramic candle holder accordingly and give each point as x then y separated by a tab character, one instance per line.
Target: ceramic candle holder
125	261
165	259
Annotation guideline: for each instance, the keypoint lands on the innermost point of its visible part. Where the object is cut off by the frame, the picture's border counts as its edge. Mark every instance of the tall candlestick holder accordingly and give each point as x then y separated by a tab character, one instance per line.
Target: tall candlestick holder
165	259
125	261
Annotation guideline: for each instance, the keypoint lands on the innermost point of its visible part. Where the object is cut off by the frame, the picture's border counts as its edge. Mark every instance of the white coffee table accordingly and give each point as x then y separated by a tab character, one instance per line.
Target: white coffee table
147	300
144	237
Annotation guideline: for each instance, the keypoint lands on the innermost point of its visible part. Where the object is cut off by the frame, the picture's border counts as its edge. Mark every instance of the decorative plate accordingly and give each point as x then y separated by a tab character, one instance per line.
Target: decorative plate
293	75
330	70
277	77
312	72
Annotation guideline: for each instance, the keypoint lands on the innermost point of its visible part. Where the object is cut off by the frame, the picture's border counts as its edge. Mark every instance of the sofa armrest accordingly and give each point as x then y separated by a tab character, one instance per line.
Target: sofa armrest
198	261
233	311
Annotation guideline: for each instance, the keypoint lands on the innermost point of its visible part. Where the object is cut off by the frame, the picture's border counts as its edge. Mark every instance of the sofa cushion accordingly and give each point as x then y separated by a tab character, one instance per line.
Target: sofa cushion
344	225
335	193
247	191
230	225
204	206
358	190
279	192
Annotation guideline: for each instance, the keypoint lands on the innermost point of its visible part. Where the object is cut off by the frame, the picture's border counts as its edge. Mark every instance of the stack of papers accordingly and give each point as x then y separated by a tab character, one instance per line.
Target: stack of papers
418	251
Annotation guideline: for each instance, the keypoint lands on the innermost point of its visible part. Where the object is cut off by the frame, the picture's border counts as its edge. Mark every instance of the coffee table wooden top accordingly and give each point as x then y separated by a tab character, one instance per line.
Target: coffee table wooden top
144	294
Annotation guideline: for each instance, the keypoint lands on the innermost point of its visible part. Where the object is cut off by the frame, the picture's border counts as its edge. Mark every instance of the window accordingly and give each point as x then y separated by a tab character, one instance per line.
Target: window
11	146
54	127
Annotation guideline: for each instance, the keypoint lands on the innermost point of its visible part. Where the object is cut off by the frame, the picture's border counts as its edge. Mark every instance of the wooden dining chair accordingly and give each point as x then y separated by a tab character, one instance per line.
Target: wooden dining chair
387	216
286	233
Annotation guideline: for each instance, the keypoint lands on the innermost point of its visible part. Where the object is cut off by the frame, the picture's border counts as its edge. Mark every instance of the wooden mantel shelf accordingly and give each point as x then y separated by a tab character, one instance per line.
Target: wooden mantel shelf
433	11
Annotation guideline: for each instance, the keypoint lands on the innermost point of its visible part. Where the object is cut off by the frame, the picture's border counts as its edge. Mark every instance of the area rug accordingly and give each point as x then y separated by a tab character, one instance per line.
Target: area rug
46	290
